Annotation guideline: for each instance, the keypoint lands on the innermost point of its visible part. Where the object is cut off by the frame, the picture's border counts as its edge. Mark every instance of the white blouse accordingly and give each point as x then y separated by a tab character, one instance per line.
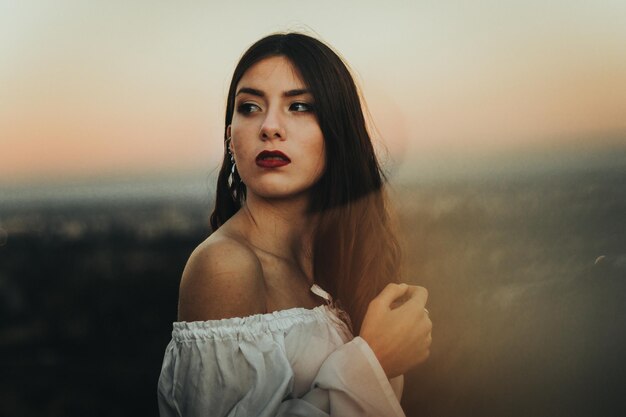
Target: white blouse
295	362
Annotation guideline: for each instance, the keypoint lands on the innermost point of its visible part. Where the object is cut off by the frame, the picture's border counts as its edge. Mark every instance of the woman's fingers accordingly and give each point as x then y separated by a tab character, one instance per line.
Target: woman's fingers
390	293
414	299
418	294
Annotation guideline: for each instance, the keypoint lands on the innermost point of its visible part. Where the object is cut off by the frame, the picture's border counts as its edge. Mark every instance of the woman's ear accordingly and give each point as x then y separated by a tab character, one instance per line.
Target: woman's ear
229	140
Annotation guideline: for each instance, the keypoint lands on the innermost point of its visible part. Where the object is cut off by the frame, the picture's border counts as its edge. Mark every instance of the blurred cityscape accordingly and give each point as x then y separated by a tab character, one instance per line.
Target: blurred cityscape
526	275
88	291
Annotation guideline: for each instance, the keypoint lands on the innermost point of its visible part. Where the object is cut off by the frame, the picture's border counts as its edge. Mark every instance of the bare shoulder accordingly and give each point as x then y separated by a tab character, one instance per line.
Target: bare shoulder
223	278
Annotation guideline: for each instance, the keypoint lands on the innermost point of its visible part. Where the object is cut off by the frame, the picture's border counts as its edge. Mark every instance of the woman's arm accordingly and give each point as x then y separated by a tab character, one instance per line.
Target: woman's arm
238	368
350	382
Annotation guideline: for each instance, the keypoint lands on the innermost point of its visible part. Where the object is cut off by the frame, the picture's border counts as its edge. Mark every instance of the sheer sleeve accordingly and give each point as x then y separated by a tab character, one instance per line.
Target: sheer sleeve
350	382
241	367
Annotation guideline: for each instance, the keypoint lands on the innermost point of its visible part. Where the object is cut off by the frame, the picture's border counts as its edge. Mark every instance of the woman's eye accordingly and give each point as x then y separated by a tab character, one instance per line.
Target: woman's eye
246	108
301	107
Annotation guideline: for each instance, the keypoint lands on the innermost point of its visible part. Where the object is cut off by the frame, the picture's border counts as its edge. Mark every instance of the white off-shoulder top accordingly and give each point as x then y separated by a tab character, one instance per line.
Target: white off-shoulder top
295	362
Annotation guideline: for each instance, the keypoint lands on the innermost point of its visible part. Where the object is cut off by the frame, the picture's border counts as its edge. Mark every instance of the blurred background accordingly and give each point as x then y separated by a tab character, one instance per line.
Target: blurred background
502	126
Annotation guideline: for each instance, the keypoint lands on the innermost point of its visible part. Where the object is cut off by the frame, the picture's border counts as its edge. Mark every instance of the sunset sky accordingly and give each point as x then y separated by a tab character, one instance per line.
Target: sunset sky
132	88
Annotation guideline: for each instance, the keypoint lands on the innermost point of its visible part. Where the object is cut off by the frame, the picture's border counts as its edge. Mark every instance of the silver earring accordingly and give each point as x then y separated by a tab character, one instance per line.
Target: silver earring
231	177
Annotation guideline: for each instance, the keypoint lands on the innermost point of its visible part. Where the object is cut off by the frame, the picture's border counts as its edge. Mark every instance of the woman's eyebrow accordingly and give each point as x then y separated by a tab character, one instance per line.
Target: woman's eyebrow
252	91
297	92
259	93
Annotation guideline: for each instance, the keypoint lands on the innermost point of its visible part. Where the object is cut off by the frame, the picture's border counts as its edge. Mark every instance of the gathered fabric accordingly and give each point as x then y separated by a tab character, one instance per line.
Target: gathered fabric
295	362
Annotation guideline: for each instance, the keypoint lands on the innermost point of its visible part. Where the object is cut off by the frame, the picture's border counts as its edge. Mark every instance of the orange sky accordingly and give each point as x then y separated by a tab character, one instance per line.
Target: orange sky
92	90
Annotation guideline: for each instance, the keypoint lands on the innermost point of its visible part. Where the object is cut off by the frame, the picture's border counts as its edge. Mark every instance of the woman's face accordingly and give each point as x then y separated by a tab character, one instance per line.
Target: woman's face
275	137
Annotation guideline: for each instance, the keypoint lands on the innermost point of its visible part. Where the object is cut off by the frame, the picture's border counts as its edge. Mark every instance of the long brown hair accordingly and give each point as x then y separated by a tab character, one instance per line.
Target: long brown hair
355	251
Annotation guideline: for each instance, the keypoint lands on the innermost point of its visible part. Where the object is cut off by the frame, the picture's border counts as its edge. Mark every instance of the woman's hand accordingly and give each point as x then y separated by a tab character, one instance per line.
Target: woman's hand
397	328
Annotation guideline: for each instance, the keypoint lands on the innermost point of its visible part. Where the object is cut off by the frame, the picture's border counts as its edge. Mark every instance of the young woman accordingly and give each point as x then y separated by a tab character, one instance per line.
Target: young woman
301	259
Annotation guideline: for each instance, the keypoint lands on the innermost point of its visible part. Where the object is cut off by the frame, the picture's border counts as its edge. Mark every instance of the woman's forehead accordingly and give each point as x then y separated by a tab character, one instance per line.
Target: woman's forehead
272	73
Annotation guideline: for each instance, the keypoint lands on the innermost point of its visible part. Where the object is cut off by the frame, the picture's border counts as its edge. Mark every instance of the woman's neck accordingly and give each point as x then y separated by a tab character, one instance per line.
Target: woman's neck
282	228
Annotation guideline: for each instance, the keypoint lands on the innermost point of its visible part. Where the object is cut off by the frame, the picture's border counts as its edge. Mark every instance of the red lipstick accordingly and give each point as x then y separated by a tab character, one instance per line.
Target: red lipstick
272	159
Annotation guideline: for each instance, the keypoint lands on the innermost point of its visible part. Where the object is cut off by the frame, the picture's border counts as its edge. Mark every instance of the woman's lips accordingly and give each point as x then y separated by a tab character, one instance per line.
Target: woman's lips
272	159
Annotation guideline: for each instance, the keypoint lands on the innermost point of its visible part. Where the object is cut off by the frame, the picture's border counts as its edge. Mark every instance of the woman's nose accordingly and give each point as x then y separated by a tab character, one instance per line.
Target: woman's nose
272	127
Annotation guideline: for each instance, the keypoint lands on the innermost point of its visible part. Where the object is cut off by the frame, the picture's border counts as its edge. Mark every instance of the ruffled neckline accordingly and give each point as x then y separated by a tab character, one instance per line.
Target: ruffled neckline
279	320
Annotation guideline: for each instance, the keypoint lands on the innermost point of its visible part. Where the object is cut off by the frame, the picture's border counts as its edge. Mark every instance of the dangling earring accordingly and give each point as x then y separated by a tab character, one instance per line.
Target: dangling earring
231	177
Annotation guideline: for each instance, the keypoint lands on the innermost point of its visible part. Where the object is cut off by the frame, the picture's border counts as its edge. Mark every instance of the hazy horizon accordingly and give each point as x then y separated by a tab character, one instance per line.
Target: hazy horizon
199	184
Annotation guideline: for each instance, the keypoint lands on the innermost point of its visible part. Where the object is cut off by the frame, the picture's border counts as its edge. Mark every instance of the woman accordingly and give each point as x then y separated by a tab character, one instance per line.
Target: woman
300	225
